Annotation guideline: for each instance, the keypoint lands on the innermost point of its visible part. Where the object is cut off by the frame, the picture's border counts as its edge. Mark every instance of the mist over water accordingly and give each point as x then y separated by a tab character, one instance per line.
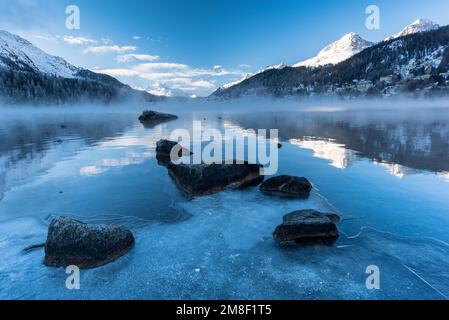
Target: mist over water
384	166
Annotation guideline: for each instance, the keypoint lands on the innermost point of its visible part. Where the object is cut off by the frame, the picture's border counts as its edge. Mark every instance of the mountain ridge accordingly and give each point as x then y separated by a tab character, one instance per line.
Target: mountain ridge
346	47
30	75
420	25
338	51
412	64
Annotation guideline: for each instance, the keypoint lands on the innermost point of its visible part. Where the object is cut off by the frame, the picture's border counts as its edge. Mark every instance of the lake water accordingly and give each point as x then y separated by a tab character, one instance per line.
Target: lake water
386	172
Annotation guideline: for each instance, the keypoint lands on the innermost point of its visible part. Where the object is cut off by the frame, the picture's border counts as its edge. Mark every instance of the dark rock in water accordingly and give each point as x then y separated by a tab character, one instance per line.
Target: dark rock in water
287	186
163	160
204	179
63	126
164	149
335	218
306	227
151	119
71	242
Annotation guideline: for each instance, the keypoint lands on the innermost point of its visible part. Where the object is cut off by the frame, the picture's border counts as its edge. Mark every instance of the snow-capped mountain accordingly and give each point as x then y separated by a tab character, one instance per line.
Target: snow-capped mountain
420	25
249	75
30	75
351	44
234	83
338	51
415	64
18	53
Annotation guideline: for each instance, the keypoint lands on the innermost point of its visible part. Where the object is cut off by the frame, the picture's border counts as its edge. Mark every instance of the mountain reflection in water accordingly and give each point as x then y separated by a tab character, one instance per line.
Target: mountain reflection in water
404	143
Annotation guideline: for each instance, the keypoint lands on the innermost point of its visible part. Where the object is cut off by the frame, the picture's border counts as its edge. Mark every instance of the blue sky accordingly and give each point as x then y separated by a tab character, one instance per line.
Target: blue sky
194	46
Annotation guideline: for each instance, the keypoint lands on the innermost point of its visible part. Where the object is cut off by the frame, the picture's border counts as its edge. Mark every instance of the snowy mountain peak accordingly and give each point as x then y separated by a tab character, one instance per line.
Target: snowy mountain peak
249	75
16	52
420	25
338	51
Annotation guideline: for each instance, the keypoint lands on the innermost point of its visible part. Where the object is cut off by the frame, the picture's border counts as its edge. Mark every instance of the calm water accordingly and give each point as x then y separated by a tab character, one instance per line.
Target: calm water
386	172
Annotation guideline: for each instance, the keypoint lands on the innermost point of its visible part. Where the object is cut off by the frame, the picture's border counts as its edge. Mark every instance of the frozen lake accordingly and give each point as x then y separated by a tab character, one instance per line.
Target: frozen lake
385	172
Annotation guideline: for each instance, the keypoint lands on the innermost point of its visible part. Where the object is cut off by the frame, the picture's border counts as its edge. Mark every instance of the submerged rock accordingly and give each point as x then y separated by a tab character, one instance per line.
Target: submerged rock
204	179
287	186
71	242
150	118
307	227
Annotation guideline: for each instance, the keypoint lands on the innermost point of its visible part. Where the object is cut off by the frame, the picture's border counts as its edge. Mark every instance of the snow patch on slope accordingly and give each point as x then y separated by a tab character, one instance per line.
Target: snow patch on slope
420	25
338	51
25	54
250	75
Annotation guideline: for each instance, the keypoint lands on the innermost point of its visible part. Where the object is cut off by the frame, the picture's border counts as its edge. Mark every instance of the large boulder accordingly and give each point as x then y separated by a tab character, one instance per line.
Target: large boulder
204	179
164	149
287	187
150	119
71	242
307	227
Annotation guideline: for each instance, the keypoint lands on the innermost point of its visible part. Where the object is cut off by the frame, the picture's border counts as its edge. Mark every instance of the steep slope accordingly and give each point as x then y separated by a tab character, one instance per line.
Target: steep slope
249	75
416	63
420	25
19	54
30	75
338	51
343	49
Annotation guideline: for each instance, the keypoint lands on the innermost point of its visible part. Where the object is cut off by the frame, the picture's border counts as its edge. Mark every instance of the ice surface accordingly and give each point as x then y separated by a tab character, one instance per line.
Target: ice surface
226	251
221	246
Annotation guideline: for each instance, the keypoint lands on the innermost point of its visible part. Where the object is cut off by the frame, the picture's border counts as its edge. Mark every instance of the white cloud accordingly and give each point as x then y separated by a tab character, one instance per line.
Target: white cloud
177	87
157	89
161	66
137	37
109	49
106	41
43	37
166	78
119	72
189	85
244	66
139	57
218	67
78	40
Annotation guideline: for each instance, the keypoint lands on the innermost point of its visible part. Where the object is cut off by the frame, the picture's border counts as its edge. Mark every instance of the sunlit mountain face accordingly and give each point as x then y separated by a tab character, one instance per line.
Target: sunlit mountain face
402	143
